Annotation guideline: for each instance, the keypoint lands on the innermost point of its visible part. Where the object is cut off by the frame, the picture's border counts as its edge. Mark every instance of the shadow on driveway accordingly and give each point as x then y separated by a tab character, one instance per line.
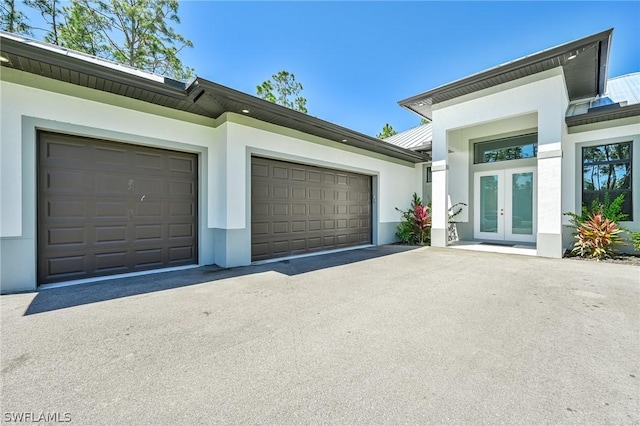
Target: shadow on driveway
65	297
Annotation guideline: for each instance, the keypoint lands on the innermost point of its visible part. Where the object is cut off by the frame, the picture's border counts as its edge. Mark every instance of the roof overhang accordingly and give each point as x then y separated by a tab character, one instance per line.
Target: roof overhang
597	115
200	97
584	63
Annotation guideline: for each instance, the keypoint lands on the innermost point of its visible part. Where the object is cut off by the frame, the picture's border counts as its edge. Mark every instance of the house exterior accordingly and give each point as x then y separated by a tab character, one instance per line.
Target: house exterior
108	170
522	143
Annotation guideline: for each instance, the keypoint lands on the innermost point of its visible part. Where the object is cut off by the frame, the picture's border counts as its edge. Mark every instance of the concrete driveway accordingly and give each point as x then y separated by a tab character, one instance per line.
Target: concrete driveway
381	335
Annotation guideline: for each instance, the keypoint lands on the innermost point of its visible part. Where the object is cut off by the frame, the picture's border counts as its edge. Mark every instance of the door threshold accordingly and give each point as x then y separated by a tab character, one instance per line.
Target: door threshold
526	249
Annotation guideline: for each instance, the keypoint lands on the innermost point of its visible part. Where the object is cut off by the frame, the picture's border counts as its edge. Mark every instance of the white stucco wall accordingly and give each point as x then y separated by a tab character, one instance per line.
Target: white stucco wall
499	109
582	136
26	110
224	147
394	181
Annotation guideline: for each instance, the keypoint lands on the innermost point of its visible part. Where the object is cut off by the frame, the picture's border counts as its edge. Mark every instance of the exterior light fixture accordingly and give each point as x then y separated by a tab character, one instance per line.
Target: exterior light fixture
246	111
344	140
3	59
572	56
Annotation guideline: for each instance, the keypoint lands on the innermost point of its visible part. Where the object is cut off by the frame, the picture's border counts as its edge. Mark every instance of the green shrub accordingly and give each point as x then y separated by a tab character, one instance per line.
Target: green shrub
635	240
611	210
415	223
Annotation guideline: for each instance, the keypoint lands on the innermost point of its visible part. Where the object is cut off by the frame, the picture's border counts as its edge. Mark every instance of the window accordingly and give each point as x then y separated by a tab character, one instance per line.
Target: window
606	169
514	148
427	174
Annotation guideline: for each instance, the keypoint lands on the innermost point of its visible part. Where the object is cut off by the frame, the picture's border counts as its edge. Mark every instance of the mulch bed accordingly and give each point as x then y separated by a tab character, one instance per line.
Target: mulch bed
624	259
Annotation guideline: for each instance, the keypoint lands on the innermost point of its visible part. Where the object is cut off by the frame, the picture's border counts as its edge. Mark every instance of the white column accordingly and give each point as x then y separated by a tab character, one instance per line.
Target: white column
550	130
439	188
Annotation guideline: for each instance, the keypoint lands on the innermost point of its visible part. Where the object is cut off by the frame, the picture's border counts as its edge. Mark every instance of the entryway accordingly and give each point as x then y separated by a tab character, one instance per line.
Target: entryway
505	205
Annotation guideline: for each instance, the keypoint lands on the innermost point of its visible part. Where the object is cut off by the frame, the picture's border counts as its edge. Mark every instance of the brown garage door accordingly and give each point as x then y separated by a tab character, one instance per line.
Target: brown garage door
299	209
109	208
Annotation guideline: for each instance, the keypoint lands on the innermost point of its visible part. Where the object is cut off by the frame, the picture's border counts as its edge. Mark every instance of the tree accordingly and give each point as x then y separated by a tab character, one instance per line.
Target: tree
133	32
52	16
80	32
424	121
283	89
387	131
12	19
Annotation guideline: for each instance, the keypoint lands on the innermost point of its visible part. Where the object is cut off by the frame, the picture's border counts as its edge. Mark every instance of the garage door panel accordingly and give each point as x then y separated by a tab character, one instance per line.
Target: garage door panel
64	209
152	209
280	192
280	209
280	227
148	161
260	170
313	176
64	151
180	254
110	234
298	174
298	193
148	257
314	243
111	261
181	208
67	265
183	165
149	187
181	230
107	207
66	236
111	156
182	188
280	172
260	229
298	209
280	247
118	210
110	184
329	178
298	226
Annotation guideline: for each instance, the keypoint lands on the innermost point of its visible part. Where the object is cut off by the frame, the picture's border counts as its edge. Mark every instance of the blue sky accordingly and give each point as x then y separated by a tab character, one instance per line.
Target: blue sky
356	60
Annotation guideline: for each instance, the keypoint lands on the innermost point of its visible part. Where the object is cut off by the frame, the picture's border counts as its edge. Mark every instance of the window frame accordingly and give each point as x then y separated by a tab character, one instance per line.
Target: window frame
506	143
611	163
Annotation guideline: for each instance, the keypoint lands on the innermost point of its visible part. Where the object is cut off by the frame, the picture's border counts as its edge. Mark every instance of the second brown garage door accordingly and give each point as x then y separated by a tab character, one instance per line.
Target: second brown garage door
297	209
110	208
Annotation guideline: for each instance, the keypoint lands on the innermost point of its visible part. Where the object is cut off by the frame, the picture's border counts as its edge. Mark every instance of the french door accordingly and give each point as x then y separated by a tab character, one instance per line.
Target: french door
505	205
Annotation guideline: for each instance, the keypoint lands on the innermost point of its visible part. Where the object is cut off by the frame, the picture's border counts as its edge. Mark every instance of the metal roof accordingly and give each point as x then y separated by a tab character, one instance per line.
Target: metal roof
621	100
584	62
418	138
625	88
199	96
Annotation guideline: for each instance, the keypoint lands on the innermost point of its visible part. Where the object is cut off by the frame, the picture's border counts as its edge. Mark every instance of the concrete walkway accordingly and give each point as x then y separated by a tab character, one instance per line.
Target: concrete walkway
382	335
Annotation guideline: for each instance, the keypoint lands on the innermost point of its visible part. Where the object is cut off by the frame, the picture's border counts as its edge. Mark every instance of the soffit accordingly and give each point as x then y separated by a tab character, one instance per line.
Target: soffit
584	62
201	97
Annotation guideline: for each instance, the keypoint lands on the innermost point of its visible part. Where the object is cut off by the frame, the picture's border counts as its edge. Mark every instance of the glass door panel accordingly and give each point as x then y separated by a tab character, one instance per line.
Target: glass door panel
489	209
489	203
520	211
505	205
